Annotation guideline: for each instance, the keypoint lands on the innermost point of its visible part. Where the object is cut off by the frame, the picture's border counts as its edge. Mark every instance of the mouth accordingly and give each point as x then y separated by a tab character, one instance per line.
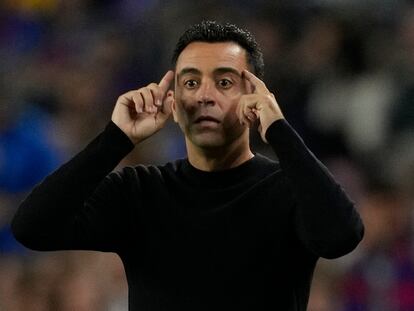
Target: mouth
205	119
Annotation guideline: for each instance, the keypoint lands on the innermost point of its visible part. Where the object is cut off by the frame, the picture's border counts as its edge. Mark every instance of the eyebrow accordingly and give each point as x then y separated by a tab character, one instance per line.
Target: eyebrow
222	70
188	70
219	70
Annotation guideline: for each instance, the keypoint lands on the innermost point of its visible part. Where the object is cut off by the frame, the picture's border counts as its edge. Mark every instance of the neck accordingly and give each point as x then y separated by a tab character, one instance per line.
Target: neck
219	158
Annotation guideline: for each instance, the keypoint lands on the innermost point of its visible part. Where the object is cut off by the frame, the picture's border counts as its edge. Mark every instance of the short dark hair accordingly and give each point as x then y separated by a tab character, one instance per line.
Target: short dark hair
211	31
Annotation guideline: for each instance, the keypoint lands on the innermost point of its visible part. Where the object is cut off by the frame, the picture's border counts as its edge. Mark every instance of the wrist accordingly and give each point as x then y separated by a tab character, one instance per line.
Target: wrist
124	132
267	122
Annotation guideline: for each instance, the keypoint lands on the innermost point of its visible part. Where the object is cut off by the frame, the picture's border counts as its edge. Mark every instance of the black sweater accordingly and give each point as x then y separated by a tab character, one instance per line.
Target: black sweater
246	238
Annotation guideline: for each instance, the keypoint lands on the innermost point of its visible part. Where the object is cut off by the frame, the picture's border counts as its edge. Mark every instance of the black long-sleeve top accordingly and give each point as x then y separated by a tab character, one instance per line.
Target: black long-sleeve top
246	238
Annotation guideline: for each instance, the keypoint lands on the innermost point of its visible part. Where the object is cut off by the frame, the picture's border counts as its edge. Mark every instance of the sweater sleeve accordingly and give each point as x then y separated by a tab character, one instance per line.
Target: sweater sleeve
77	206
325	219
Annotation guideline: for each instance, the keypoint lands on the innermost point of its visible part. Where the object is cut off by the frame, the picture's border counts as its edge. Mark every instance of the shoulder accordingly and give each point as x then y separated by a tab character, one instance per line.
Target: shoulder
271	173
267	164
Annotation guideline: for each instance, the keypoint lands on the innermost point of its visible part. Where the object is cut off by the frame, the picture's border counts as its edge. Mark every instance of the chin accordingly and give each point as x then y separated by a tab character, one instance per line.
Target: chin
207	140
210	139
209	143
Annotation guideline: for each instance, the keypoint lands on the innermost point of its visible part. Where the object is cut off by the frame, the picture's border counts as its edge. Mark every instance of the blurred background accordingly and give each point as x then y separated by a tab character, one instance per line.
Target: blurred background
342	71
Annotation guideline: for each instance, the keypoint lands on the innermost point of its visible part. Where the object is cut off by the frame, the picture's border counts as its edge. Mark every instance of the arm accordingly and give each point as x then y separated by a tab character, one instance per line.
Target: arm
76	207
325	220
56	214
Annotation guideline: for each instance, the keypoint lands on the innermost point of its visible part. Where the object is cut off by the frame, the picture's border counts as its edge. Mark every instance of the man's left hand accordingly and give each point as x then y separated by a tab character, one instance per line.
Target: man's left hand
258	104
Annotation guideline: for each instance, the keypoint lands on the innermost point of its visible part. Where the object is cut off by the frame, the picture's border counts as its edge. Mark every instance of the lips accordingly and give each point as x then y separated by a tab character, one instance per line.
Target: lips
206	118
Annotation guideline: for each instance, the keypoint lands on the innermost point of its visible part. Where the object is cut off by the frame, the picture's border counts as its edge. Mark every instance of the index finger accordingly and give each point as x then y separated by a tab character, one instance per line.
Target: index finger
258	85
166	81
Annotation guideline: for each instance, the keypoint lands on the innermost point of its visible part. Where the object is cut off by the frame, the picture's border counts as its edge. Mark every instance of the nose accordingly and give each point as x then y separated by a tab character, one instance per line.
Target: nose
205	94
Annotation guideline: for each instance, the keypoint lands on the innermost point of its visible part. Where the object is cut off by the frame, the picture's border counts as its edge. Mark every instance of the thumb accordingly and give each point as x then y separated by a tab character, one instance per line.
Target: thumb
262	133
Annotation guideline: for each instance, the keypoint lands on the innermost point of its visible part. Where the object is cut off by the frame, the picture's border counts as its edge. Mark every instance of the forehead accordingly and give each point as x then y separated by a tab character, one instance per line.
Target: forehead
207	56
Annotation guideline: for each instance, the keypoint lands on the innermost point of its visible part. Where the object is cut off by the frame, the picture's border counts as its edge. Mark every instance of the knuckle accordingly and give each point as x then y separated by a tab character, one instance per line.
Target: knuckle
156	89
137	99
245	98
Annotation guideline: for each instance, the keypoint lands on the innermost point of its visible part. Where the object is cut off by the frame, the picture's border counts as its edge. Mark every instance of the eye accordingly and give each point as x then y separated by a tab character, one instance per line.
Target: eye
190	84
225	83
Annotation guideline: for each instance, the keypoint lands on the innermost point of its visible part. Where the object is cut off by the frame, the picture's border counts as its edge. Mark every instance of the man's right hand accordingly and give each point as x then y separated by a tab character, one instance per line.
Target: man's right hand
141	113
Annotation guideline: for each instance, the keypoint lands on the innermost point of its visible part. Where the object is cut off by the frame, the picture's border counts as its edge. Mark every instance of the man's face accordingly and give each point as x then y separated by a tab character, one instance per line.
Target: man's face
208	86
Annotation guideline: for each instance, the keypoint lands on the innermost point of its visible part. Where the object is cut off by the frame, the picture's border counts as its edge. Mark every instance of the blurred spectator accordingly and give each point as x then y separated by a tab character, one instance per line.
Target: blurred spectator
324	296
27	154
383	276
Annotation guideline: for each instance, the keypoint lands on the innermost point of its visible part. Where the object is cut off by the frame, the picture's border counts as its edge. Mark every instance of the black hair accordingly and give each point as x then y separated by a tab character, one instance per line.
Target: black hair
211	31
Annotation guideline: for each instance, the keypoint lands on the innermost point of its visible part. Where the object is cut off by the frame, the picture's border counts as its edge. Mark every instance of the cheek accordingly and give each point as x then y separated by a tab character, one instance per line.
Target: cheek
184	109
232	96
230	111
235	92
230	103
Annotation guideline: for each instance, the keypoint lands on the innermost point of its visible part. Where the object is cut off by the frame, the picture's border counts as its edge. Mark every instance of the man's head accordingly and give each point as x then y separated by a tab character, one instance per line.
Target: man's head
211	31
210	60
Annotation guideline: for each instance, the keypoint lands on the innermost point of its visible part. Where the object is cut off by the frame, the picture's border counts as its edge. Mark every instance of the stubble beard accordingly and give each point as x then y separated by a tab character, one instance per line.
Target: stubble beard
212	139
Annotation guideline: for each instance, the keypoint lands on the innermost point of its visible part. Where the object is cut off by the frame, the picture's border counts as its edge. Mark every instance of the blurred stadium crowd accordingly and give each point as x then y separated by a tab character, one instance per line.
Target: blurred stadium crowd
342	71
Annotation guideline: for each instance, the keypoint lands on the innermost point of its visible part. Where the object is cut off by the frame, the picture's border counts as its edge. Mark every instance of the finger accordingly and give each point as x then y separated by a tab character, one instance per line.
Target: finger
138	101
251	116
241	112
148	100
258	85
166	107
250	107
247	85
166	81
157	94
249	113
126	99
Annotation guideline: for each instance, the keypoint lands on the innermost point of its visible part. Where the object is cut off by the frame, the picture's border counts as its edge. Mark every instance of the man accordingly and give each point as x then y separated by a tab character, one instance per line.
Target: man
224	229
